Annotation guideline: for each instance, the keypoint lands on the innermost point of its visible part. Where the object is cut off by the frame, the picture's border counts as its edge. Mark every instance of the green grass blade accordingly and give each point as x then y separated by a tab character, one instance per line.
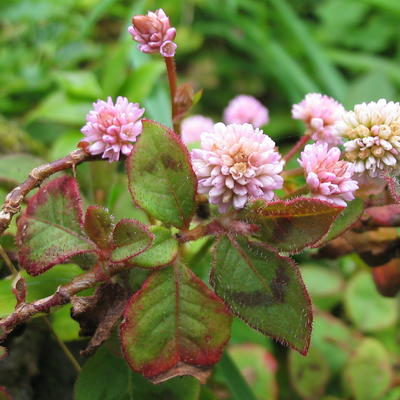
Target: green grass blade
234	379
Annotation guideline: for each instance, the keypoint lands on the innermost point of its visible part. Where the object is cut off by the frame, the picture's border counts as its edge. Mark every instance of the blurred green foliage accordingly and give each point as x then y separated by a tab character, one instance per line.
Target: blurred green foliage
57	57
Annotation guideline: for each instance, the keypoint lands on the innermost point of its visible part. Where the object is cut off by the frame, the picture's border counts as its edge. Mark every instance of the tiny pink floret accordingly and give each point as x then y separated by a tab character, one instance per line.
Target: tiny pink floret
192	127
329	178
320	114
246	109
154	33
111	128
237	163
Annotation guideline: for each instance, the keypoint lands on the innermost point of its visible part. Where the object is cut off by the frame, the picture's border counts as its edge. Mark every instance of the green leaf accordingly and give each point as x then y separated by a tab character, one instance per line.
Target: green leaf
105	376
334	340
141	81
349	216
235	380
50	230
99	226
258	367
366	308
130	238
63	325
264	289
14	168
81	83
368	373
174	325
37	287
64	144
161	179
324	285
58	107
162	251
309	375
290	225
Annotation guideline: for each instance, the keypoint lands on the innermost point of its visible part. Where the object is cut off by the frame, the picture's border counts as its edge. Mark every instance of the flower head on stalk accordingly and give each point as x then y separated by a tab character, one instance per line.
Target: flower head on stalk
112	128
328	177
373	130
235	164
192	127
154	33
246	109
320	113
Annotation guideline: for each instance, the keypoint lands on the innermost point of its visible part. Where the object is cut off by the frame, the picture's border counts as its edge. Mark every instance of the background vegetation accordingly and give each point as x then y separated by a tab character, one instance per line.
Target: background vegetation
57	57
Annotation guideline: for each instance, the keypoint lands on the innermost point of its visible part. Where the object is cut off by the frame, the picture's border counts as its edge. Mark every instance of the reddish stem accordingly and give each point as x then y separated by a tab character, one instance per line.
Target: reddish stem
172	80
297	147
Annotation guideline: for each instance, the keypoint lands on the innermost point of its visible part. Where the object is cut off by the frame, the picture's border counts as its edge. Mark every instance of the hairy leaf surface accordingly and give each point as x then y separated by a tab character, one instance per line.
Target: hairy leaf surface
162	251
263	289
99	226
174	325
50	230
130	238
161	179
291	225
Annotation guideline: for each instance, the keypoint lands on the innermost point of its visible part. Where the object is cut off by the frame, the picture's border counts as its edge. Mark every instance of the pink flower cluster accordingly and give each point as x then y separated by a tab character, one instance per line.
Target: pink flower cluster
246	109
154	33
320	114
111	129
328	177
192	127
237	163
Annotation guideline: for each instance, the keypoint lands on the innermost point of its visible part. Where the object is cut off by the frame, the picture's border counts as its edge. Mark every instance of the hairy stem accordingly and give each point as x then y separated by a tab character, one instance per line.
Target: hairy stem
172	80
14	199
297	147
63	295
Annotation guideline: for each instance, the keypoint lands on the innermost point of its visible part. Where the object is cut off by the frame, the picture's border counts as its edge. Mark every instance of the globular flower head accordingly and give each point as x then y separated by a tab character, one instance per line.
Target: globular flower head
112	128
246	109
154	33
329	178
373	130
192	127
235	164
320	113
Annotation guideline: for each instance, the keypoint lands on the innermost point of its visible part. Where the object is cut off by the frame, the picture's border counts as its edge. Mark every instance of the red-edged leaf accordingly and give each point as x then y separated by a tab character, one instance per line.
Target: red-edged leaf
291	225
387	278
50	230
174	325
264	289
388	215
161	179
99	226
345	220
130	239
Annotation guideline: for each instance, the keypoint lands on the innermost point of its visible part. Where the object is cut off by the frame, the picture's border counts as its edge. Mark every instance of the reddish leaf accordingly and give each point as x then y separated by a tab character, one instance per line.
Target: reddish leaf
388	215
99	226
4	395
291	225
174	325
130	239
264	289
50	230
387	278
161	179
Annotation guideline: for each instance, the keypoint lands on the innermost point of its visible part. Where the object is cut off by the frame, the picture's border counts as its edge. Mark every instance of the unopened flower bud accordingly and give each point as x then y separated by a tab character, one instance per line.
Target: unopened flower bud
154	33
